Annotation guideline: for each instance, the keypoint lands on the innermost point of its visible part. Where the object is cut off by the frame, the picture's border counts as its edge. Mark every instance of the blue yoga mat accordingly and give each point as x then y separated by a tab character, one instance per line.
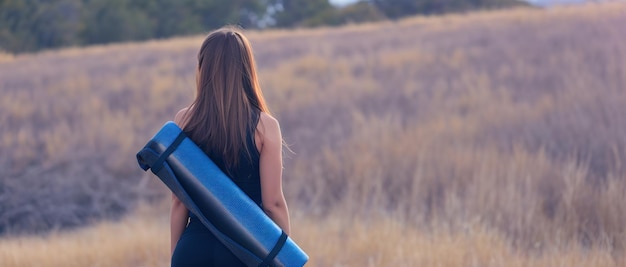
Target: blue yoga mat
215	199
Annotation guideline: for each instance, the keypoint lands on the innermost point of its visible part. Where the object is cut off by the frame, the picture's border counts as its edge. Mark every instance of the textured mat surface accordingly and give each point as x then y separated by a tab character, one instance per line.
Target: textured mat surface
221	206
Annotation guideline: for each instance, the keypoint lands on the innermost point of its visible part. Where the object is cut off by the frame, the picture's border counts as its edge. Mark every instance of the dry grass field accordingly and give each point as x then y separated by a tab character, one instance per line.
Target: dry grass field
481	139
142	240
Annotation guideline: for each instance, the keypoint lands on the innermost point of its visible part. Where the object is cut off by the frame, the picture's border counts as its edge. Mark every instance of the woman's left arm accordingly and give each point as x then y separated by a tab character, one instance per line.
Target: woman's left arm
271	170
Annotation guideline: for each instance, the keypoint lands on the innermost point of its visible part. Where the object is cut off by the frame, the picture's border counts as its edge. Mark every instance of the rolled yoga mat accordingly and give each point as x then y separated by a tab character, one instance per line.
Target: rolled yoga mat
237	221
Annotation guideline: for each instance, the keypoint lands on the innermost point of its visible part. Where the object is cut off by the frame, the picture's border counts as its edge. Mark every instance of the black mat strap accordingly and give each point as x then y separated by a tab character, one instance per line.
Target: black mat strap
158	164
279	245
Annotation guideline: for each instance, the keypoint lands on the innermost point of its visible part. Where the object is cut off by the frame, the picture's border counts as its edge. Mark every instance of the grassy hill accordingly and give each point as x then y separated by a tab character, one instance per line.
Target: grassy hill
482	139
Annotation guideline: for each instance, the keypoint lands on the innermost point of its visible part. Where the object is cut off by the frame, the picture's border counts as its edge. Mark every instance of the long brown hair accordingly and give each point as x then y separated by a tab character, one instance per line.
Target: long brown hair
228	96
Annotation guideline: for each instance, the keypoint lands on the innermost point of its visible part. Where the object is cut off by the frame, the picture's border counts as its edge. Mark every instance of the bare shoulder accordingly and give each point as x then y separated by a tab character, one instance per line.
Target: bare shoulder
266	120
268	130
178	119
268	125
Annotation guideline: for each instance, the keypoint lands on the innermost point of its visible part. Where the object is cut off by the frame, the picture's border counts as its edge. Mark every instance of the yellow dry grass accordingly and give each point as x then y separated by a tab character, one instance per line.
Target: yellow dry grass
142	239
135	241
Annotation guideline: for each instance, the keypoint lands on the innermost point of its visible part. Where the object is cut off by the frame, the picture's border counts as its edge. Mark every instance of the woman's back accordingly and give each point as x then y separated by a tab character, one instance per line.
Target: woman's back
230	121
246	174
198	246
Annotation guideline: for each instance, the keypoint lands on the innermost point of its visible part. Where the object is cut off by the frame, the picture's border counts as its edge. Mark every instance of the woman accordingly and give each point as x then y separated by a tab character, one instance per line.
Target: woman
230	121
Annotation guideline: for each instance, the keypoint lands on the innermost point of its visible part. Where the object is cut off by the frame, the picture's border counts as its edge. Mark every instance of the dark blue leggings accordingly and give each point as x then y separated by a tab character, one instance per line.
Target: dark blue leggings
197	246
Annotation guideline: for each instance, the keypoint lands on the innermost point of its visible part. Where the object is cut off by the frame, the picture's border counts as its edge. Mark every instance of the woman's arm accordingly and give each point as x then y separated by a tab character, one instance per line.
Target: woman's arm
271	171
178	221
178	212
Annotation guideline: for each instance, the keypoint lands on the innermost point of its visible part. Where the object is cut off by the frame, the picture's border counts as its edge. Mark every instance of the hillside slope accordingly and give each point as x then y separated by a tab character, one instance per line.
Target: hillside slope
512	120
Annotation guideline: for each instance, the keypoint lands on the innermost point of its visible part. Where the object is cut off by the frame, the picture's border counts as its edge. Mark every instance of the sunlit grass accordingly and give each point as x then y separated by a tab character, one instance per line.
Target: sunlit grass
143	240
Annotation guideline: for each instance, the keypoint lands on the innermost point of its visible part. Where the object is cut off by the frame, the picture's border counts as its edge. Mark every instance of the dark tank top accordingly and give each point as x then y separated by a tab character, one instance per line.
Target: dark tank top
197	246
246	174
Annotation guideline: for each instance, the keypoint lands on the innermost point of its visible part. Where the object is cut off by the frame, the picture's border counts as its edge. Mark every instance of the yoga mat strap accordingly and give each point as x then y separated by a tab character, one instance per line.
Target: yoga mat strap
279	245
158	164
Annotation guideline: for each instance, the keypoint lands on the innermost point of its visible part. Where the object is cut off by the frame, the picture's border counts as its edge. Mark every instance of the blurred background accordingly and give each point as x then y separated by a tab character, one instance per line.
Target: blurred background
424	133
